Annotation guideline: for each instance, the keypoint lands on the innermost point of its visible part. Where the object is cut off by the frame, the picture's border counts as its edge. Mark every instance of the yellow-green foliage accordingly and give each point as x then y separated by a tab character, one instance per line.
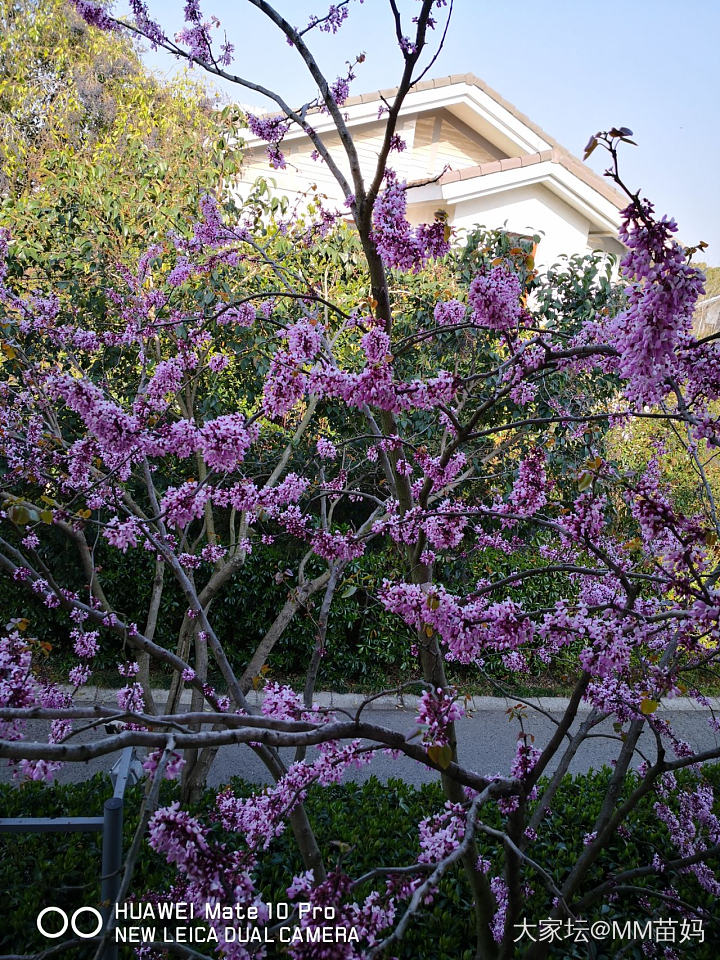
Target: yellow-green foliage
97	155
712	279
633	445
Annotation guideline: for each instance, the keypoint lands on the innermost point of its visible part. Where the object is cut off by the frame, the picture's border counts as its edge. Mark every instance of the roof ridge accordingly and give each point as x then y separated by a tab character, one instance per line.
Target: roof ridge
585	172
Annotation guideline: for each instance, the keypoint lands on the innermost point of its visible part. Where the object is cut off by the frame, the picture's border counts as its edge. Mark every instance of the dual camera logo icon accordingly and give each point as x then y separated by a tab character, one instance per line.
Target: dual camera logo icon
69	921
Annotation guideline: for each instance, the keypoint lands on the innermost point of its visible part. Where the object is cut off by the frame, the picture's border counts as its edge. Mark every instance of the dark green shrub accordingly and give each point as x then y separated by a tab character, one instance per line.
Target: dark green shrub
360	826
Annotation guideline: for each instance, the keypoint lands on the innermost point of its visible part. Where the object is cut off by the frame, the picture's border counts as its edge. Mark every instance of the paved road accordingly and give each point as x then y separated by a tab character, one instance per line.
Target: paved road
487	744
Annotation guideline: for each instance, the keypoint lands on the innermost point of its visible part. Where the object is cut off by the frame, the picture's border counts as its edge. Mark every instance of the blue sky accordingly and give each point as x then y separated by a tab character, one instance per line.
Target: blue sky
573	67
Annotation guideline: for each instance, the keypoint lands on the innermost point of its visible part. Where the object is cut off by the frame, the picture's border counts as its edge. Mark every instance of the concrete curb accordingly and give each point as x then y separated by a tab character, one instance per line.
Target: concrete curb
409	702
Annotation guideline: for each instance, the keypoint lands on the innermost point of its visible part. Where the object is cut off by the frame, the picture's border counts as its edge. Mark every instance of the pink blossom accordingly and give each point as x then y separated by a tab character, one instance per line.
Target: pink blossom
85	642
495	299
122	534
449	313
225	440
437	710
399	244
326	449
79	676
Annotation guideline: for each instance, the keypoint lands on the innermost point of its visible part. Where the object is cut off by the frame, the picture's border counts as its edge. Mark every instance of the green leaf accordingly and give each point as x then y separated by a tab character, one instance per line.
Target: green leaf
19	514
584	480
442	756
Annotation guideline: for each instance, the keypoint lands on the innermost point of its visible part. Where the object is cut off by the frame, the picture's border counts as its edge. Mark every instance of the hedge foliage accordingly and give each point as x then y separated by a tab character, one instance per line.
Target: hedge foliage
360	826
365	644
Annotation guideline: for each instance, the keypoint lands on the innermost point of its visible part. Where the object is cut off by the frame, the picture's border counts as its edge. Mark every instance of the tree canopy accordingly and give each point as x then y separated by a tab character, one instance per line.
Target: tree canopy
265	375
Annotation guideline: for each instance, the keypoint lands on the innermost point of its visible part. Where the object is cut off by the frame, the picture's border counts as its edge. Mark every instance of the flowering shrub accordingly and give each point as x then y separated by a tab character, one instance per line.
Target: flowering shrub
226	403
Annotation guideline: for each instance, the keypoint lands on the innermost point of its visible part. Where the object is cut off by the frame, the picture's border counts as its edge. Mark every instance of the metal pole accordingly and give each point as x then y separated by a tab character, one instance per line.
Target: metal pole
112	853
111	824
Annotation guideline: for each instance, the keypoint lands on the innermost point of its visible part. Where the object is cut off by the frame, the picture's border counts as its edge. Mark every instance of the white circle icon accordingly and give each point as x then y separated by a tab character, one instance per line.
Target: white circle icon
70	921
52	936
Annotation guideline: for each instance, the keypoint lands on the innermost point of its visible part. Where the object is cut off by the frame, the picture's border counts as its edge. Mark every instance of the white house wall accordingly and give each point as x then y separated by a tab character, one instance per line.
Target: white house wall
301	170
468	153
441	141
528	210
436	141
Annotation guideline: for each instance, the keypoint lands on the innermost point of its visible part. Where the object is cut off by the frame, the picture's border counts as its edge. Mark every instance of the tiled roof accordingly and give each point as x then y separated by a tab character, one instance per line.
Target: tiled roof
558	153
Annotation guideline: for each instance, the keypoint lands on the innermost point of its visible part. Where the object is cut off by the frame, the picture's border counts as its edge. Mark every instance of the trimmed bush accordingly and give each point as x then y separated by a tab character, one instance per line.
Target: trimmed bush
361	826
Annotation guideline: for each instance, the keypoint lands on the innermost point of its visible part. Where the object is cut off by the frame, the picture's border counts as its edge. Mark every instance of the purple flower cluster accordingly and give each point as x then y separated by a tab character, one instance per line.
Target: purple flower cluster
529	493
241	314
20	688
468	629
376	345
271	129
662	294
225	440
85	642
94	14
333	19
441	833
400	245
694	829
195	35
122	534
173	765
166	379
282	702
182	504
145	24
495	299
340	90
437	710
449	313
326	449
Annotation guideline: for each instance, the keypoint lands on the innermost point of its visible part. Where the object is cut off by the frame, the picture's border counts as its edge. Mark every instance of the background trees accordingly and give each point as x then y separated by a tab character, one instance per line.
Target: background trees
98	157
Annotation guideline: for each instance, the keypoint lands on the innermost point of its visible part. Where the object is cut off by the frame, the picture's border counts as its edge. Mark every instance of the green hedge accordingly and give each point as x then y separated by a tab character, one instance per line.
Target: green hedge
376	821
364	643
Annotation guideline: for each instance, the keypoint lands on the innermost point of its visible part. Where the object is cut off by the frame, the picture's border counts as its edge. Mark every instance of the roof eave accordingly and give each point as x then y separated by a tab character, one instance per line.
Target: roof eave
599	211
